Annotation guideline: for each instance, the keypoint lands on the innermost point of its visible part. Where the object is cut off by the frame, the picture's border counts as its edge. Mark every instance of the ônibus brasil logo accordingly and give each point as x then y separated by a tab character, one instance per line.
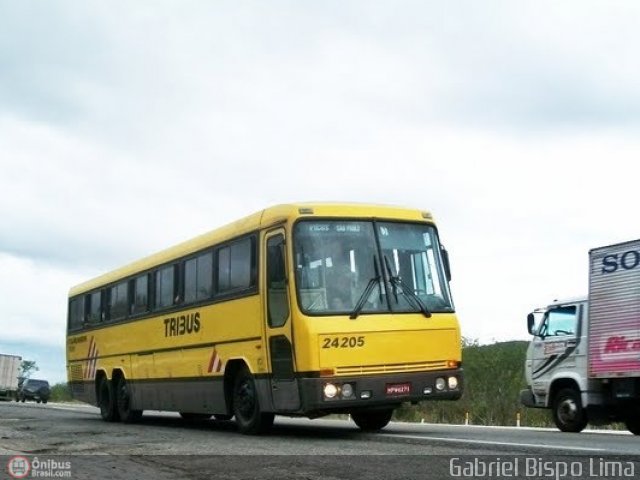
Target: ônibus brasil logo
18	467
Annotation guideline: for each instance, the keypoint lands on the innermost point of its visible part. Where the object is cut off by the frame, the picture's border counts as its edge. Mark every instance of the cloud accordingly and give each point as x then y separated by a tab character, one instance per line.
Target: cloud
33	302
227	72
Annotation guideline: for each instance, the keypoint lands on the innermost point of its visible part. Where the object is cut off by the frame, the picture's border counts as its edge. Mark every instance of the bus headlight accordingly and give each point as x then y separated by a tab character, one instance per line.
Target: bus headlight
330	390
440	384
452	382
347	390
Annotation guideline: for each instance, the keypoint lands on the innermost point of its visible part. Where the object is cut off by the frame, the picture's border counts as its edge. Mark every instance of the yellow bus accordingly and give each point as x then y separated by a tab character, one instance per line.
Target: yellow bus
297	310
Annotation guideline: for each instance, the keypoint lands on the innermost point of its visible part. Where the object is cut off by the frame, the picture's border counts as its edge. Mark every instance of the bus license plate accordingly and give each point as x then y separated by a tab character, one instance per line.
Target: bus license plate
398	388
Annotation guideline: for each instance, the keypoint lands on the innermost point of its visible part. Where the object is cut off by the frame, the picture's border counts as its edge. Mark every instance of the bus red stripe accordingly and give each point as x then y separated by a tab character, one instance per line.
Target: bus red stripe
213	358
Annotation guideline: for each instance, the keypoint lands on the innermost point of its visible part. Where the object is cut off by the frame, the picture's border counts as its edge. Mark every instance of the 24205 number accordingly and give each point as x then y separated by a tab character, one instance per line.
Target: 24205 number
343	342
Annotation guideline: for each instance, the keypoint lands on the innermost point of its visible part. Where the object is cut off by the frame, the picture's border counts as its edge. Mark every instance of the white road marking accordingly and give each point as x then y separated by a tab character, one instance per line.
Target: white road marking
488	442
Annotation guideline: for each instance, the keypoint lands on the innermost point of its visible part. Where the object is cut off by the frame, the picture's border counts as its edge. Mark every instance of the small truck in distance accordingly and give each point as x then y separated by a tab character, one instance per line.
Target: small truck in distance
9	371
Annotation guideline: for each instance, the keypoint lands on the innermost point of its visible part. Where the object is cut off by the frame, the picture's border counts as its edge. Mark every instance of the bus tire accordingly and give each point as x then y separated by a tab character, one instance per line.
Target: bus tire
106	401
123	402
372	421
246	405
568	414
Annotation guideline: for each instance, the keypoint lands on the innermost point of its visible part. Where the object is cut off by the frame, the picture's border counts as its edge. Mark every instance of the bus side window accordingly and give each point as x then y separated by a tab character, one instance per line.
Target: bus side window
198	278
76	313
118	301
165	287
140	294
236	266
94	307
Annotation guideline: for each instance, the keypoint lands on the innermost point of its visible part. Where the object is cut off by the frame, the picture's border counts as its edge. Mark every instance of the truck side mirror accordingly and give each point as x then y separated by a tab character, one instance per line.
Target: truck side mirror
530	323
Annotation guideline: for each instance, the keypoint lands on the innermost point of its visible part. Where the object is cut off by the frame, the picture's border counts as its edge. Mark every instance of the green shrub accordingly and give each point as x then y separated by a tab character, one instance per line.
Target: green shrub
60	393
493	378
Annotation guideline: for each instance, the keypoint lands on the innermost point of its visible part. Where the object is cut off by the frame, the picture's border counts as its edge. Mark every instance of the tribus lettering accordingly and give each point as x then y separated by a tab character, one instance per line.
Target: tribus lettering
182	325
628	261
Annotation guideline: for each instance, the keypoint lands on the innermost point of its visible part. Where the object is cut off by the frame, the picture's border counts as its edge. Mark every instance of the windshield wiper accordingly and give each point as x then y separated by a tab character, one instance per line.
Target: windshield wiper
367	291
412	298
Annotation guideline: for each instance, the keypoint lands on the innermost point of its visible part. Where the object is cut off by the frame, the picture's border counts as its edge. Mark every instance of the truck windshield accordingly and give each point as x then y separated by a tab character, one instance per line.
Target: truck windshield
338	261
559	321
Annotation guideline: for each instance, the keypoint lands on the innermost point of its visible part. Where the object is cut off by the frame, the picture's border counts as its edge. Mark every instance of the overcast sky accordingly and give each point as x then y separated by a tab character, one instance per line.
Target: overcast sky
126	127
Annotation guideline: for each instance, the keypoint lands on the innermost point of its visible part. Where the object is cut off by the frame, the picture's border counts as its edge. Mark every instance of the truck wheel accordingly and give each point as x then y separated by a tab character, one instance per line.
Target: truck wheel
106	401
123	403
632	423
568	414
246	406
372	421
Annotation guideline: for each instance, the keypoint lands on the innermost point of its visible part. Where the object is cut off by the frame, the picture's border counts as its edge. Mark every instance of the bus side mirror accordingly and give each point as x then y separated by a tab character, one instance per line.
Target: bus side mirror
530	323
445	260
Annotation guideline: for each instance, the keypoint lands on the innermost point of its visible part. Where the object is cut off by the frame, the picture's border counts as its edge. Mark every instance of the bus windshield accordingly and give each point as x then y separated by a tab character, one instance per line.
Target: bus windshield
337	263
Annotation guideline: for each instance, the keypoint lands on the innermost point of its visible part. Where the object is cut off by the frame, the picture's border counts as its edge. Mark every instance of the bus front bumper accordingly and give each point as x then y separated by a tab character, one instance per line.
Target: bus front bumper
344	394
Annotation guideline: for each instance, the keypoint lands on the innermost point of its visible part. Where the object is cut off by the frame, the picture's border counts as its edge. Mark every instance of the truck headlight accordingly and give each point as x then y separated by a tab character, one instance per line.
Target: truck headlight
453	383
440	384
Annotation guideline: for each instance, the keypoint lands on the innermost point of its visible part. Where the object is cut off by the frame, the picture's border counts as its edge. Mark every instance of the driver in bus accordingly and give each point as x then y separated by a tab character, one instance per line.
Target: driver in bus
340	281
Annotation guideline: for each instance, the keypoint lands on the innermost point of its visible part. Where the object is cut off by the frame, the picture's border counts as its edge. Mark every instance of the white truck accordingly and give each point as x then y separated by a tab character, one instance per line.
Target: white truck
584	360
9	371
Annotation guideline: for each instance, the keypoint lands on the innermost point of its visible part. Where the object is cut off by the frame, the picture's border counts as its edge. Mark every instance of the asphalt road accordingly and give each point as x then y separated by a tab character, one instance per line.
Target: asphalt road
163	445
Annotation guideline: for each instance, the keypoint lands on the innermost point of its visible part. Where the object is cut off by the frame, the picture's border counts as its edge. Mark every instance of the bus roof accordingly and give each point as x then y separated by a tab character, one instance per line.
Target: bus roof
262	219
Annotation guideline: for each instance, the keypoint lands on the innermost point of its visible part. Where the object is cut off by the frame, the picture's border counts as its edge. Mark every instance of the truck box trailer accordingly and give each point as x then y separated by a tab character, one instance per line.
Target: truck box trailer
9	371
583	362
614	312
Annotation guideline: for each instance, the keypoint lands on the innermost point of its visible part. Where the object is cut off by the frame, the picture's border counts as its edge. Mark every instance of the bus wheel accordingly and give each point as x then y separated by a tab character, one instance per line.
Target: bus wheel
123	403
568	414
246	407
372	421
106	402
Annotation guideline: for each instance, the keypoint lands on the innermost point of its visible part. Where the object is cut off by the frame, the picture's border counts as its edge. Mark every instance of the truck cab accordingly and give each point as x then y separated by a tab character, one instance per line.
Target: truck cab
556	363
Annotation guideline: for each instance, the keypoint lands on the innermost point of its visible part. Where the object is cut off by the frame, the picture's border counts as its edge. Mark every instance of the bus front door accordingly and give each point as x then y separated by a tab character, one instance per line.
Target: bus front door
284	386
